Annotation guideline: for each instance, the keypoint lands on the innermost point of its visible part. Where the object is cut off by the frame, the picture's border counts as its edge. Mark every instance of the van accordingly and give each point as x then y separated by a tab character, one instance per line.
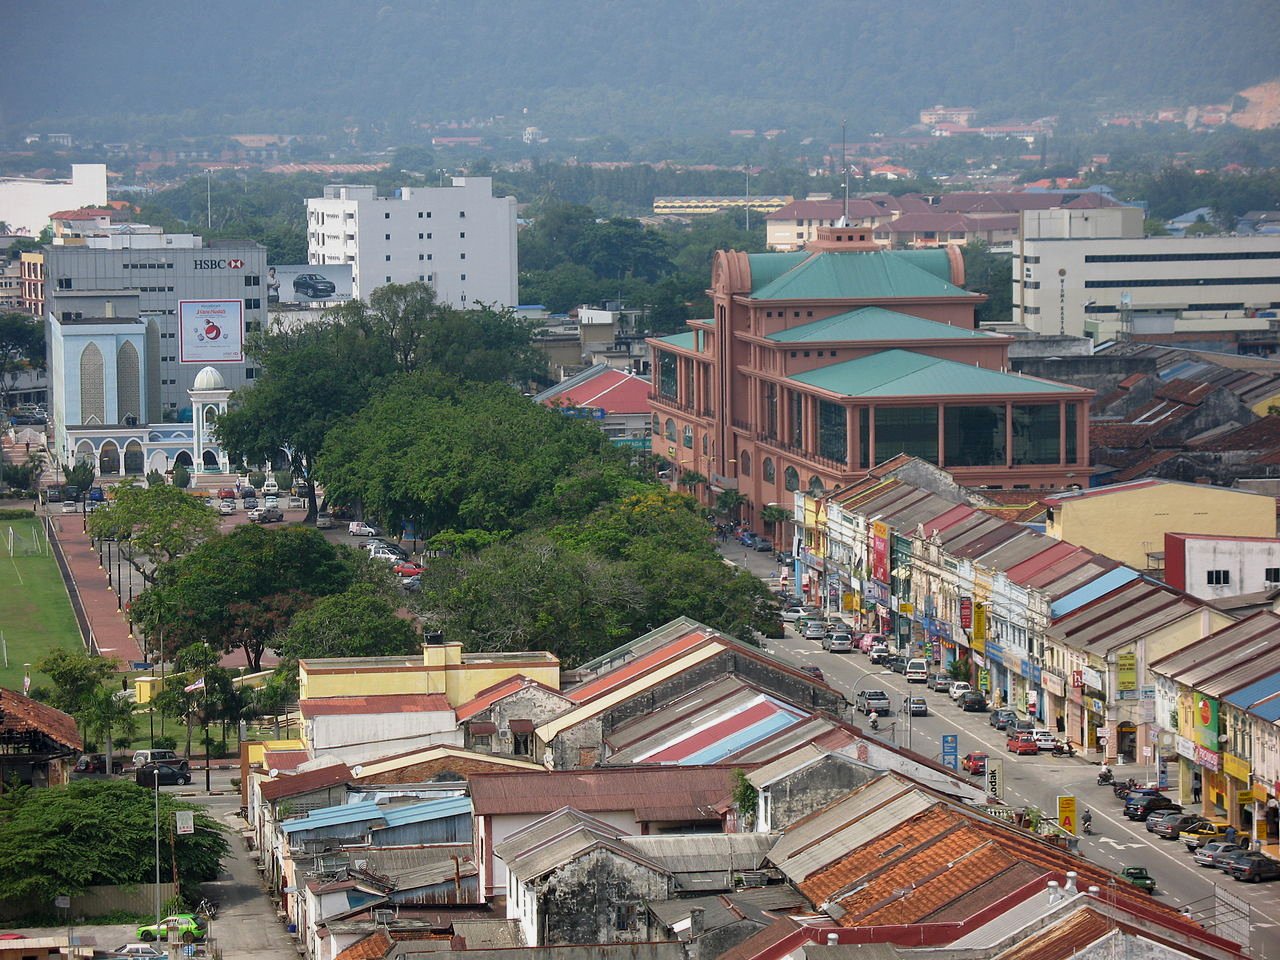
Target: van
143	757
270	486
917	670
868	640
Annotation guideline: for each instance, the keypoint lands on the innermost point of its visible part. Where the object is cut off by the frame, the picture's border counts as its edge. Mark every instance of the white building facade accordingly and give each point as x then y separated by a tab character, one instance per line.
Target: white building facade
26	204
1093	273
459	239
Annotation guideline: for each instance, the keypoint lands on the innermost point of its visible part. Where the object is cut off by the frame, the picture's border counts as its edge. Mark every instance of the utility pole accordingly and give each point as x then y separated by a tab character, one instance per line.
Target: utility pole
208	195
844	164
748	198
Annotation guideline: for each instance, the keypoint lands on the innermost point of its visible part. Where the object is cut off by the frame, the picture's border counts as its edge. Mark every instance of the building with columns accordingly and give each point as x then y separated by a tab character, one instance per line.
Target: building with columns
821	363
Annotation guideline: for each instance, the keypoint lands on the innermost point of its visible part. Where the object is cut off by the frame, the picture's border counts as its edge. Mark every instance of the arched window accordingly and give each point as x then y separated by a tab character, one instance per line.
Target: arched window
744	463
768	470
133	458
816	489
791	479
128	385
109	459
704	444
657	426
688	437
671	430
93	396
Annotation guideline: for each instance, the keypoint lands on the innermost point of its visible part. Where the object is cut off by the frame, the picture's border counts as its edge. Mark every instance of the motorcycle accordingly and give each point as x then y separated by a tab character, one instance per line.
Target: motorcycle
875	723
1106	778
1062	750
1087	822
1121	788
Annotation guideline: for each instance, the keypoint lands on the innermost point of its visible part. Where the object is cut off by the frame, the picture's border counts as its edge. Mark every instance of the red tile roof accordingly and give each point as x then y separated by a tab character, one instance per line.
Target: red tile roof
20	715
373	947
653	793
285	761
381	703
296	784
614	391
1262	435
1113	433
90	213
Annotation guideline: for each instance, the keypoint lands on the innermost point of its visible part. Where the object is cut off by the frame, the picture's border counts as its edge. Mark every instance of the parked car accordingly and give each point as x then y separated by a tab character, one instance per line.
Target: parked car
266	515
95	764
1171	827
171	757
1201	833
1139	808
358	528
895	663
247	492
958	689
407	568
297	503
1254	867
1139	877
377	543
1225	859
269	485
974	763
70	506
142	951
835	642
747	538
382	553
785	557
1207	856
1159	817
878	653
411	584
872	701
917	670
916	706
168	775
96	495
794	614
313	286
869	641
938	681
1022	744
227	507
324	521
973	702
270	501
763	545
1022	726
1002	718
189	926
250	503
227	493
815	672
1044	739
814	630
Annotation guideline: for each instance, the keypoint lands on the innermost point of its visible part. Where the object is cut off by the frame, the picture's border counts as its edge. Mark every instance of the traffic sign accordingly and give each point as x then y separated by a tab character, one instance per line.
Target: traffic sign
995	778
1067	819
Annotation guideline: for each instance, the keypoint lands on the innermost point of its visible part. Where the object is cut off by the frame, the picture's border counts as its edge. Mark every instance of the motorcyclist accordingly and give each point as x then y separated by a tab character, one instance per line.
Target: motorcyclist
1086	821
875	720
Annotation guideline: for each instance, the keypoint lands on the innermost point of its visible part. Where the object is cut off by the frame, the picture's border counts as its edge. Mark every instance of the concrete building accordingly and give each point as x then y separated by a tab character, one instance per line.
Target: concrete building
181	285
615	400
1093	273
1128	521
819	364
26	204
460	239
1215	567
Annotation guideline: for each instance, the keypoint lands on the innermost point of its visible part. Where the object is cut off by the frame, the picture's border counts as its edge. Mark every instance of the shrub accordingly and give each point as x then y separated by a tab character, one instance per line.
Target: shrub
181	477
257	479
165	743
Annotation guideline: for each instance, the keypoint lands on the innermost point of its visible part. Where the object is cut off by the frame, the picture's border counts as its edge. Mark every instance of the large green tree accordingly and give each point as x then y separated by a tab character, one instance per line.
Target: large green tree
64	839
78	679
157	524
21	350
358	623
219	590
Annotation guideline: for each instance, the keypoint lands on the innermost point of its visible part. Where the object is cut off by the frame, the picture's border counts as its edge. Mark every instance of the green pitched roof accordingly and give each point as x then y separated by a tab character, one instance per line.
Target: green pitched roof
871	324
881	274
685	341
768	267
901	373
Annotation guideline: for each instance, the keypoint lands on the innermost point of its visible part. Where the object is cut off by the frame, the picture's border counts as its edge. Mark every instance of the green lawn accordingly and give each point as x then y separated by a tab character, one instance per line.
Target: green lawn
35	612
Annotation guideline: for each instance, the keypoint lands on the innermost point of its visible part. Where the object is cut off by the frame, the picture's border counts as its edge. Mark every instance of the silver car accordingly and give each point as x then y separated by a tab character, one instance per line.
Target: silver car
1207	856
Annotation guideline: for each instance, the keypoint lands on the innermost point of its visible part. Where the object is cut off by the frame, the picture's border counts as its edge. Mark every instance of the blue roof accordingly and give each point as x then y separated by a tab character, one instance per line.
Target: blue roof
428	810
1095	588
333	816
1245	697
741	739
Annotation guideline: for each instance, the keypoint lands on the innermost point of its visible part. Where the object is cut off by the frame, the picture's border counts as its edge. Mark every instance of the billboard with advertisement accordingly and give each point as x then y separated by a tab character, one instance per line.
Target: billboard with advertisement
305	282
880	551
211	331
1205	716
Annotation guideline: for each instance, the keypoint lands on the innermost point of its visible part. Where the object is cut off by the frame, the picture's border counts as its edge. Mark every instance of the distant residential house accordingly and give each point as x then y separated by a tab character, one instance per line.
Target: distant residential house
501	719
41	743
358	728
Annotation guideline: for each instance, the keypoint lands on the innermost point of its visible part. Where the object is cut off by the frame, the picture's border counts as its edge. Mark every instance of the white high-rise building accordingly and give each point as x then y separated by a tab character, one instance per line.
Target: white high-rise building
460	239
27	204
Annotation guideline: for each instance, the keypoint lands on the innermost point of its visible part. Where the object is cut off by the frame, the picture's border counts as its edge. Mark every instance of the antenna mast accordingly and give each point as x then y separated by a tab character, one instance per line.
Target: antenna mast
844	162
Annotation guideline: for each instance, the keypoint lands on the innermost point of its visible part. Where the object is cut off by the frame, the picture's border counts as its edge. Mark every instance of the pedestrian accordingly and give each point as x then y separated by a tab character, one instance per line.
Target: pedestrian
1229	835
1195	787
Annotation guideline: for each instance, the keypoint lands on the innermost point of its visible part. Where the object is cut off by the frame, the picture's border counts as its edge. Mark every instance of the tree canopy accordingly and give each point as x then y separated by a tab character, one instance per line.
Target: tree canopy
158	524
358	623
21	349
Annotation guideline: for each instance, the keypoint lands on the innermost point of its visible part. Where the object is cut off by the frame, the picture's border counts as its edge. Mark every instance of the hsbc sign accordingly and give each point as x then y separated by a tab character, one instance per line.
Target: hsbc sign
233	264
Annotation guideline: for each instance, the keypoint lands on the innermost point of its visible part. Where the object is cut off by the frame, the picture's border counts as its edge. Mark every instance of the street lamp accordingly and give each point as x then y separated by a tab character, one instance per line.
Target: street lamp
204	718
156	775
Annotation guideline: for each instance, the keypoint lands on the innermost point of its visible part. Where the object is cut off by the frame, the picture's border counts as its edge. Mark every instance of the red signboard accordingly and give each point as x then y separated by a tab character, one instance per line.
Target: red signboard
1077	678
880	551
966	613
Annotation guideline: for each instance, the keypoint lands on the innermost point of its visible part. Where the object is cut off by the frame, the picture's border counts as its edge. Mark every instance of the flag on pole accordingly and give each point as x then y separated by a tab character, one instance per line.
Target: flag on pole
193	687
26	685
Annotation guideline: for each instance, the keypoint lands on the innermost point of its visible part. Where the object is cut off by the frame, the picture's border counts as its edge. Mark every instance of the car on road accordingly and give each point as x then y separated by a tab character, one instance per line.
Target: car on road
407	568
938	681
1207	856
1139	808
324	521
1159	817
869	641
872	701
958	689
815	672
70	506
814	630
1171	827
1044	739
161	774
266	515
190	928
1139	877
878	654
835	642
762	545
313	286
796	613
142	951
974	763
227	507
171	757
297	503
917	670
747	539
1022	744
1002	718
358	528
895	663
916	706
1206	831
95	764
1254	867
270	500
973	702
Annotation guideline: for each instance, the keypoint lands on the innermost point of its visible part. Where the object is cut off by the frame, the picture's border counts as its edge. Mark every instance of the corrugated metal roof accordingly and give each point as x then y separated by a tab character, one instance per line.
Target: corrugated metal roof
628	670
636	730
870	324
785	766
1014	551
902	373
1016	918
542	860
872	275
1219	653
703	852
653	793
760	730
1094	588
813	729
545	829
430	810
333	816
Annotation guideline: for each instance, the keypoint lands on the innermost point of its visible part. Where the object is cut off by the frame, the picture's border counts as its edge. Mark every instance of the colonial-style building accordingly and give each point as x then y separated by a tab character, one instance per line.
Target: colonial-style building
821	363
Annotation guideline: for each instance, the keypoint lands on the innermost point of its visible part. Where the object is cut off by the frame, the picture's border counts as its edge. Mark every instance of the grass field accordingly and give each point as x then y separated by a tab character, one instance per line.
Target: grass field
35	612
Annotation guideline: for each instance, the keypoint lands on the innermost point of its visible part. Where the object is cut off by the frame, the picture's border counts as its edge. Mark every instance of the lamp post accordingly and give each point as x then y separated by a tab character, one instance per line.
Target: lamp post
204	718
156	787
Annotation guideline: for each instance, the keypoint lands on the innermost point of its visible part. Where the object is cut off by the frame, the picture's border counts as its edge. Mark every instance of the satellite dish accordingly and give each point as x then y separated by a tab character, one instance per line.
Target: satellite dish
357	768
273	772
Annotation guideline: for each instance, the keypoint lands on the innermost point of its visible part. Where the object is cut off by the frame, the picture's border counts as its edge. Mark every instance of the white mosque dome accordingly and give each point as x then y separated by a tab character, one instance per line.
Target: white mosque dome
209	379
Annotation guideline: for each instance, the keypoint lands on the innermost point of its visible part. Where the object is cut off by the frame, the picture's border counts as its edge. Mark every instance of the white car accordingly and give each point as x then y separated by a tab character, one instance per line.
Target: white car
144	951
297	503
270	486
959	689
70	506
383	553
358	528
227	508
270	502
1044	739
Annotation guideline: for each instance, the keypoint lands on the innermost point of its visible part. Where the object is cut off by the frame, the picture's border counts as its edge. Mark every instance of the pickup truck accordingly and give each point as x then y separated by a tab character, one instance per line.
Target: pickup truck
872	701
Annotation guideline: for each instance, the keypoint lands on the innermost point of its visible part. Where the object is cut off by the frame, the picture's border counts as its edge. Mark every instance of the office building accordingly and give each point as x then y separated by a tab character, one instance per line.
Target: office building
459	239
1093	273
26	204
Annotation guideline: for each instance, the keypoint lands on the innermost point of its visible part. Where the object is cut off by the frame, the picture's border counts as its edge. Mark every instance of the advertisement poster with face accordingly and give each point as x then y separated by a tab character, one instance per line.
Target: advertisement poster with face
211	331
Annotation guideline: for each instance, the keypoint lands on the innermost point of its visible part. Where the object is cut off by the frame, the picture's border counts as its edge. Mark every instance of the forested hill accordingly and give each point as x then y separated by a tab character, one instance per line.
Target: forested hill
641	68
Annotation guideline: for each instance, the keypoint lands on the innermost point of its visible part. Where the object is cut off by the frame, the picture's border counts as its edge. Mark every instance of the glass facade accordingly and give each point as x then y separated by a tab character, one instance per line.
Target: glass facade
974	436
791	479
667	374
795	402
770	425
833	431
769	475
909	430
1035	434
1071	433
864	437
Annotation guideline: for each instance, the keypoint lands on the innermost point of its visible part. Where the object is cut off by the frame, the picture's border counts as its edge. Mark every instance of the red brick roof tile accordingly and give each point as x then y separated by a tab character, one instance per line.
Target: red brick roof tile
19	715
373	947
1262	435
296	784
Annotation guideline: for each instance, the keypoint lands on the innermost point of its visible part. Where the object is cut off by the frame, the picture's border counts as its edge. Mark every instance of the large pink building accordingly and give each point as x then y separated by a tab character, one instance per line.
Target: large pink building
821	363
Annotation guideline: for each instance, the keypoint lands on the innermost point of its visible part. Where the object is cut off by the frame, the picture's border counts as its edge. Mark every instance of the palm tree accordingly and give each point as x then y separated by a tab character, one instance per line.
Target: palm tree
730	503
691	479
108	712
773	515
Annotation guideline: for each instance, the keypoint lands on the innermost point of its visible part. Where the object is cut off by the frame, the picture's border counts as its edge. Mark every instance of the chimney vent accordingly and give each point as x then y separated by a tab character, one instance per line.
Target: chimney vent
1071	882
832	939
1054	894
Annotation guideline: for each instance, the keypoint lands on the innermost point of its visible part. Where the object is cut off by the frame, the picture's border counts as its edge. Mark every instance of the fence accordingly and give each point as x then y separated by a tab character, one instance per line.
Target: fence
137	898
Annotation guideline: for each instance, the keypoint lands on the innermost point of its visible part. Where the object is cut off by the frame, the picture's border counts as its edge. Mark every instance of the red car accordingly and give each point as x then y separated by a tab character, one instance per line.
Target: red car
1022	744
974	763
407	568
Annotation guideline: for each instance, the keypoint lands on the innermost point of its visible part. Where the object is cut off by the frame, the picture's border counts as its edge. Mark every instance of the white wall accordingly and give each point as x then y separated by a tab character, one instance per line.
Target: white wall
382	733
1246	562
26	204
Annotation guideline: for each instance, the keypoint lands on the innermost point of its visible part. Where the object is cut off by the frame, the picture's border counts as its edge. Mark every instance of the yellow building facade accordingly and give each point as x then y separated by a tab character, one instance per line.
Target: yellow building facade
442	668
1128	521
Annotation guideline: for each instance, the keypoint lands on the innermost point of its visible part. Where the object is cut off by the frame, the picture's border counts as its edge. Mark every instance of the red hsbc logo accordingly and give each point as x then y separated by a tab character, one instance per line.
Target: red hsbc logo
235	264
